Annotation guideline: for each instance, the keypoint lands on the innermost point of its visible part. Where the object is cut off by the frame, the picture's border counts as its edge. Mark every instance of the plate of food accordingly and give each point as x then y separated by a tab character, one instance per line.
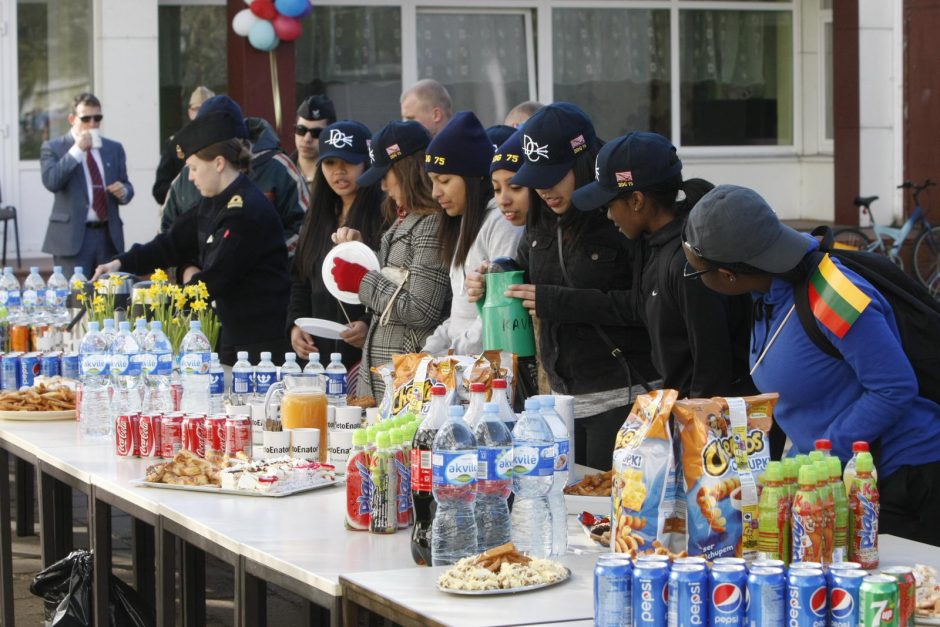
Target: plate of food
353	252
596	527
591	493
40	402
928	595
501	570
219	474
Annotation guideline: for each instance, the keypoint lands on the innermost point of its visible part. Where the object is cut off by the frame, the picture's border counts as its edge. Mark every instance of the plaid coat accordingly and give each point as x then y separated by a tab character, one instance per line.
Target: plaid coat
421	305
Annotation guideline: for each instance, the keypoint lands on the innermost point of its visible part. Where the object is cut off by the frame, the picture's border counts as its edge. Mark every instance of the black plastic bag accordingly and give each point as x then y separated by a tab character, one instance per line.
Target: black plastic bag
66	588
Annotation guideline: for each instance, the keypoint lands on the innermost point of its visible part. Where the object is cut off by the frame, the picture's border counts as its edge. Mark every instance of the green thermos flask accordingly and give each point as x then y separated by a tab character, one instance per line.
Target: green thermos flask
507	325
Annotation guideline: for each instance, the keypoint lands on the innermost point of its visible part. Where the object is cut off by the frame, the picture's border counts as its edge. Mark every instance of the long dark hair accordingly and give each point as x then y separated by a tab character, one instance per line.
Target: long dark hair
573	222
415	187
457	233
322	220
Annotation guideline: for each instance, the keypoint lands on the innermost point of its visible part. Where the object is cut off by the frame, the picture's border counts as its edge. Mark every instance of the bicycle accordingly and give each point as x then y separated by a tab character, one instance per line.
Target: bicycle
926	251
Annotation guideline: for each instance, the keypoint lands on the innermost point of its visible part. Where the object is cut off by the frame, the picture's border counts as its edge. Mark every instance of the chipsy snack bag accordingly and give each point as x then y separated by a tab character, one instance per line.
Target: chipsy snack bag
725	446
644	476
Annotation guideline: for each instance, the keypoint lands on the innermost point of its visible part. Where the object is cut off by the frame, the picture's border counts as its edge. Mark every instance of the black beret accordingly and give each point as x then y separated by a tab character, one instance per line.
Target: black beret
206	130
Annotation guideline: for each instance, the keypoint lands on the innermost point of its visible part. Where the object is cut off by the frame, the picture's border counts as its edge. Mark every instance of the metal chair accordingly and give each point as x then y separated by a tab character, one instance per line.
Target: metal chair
7	213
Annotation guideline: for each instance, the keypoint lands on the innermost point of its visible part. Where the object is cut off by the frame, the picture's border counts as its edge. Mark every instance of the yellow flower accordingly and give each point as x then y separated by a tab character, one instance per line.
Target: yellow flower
77	285
81	297
115	280
99	307
190	291
198	305
180	301
176	321
98	300
203	290
159	275
99	285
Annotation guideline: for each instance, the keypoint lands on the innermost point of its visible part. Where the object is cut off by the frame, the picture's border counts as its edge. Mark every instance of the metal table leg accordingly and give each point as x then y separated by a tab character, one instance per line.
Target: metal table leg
99	531
166	577
253	592
47	512
193	585
6	543
143	555
25	501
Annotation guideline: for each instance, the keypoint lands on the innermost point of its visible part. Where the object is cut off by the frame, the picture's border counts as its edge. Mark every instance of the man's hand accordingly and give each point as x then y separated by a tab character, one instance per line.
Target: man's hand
84	141
117	189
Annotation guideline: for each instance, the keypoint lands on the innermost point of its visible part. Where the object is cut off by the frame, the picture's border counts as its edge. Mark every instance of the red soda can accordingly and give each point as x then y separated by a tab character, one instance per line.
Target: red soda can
171	435
124	437
176	392
907	593
238	435
194	434
215	433
149	435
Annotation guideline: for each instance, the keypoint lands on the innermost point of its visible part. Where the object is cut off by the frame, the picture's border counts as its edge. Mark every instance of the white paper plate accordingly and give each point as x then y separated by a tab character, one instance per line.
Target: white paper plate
353	252
321	328
68	414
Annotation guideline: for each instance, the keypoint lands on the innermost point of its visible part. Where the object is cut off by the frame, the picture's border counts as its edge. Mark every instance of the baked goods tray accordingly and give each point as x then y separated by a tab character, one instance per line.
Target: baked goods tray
213	490
38	416
926	620
477	593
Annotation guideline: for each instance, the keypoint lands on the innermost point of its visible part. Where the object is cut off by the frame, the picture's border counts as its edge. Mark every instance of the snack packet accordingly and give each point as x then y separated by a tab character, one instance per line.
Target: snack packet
411	376
644	478
725	445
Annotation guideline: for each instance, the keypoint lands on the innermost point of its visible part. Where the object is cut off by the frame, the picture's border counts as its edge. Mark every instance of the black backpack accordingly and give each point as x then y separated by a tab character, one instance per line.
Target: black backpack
916	312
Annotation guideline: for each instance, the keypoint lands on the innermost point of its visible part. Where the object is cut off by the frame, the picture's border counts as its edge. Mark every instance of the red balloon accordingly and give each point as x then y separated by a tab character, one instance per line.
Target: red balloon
287	28
264	9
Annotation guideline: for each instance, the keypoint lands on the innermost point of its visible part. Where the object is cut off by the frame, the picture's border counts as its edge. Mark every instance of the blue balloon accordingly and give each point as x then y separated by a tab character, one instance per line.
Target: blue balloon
262	36
290	8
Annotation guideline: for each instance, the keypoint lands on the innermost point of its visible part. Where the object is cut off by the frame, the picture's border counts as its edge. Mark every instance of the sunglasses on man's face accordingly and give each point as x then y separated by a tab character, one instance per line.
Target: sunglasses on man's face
88	118
302	130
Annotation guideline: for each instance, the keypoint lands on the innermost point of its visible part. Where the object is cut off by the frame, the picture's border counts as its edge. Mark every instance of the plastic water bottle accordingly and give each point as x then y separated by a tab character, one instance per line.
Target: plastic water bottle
57	294
501	397
314	366
34	294
477	401
533	455
78	276
290	366
195	357
125	372
108	330
96	397
216	385
336	381
140	331
265	376
241	380
454	476
556	498
11	292
494	479
157	368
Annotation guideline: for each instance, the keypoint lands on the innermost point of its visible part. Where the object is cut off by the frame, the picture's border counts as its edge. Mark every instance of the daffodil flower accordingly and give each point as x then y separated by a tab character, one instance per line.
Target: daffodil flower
198	305
159	275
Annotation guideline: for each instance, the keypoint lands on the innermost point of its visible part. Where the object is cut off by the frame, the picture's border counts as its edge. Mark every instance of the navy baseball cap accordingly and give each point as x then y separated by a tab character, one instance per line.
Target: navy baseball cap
461	148
229	106
633	162
499	134
551	140
347	140
396	140
509	155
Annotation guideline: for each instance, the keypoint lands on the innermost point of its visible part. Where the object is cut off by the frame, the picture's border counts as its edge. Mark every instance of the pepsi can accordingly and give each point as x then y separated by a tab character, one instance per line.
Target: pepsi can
688	594
10	375
29	368
71	365
766	596
843	597
728	597
806	565
734	561
807	598
50	365
768	564
837	566
613	579
650	587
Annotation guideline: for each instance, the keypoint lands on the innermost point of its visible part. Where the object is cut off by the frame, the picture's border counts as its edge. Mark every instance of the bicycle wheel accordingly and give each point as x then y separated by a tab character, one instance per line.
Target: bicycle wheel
851	239
926	258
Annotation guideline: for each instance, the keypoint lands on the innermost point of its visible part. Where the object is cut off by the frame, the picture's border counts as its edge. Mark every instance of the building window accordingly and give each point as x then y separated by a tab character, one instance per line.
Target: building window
736	78
483	58
193	52
54	40
353	55
614	63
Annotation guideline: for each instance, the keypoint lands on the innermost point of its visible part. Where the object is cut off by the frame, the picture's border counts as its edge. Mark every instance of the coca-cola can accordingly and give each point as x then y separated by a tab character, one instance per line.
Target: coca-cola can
215	433
171	435
176	393
149	431
125	436
194	434
238	435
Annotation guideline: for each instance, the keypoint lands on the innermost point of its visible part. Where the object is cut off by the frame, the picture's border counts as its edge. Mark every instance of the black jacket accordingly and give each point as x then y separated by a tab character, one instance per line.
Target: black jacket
237	240
700	338
168	169
600	263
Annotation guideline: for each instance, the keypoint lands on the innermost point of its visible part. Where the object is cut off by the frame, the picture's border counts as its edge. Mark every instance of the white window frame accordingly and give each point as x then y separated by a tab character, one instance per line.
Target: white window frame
826	144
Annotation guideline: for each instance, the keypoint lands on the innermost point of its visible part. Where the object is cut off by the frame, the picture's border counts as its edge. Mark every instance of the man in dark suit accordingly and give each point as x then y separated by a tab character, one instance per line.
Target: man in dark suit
88	175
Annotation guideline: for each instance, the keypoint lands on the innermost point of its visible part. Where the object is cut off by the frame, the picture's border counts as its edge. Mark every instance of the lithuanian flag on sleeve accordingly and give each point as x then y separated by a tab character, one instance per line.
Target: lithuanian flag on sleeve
835	300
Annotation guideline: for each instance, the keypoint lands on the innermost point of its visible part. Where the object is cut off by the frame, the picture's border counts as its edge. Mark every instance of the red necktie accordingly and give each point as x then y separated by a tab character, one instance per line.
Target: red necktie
99	202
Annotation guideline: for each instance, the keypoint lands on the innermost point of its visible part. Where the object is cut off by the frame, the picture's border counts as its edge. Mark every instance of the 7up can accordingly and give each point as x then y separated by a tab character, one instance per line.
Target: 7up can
878	600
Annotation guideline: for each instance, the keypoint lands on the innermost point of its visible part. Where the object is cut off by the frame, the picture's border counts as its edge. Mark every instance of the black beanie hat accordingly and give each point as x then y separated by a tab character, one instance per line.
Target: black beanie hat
461	148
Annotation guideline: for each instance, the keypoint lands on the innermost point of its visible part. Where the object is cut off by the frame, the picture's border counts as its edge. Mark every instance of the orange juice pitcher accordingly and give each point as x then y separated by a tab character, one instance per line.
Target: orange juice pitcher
299	401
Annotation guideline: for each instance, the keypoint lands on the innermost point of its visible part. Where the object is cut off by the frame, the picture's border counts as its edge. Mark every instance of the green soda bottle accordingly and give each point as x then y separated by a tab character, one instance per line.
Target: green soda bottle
816	456
791	470
773	518
840	530
805	532
827	514
384	502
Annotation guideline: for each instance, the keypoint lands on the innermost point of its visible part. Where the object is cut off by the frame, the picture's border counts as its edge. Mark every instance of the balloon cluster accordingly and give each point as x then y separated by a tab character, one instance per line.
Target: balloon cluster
268	22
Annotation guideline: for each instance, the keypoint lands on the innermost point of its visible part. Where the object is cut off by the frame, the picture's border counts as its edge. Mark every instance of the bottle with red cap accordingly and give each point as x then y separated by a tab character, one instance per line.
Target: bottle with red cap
475	409
848	475
422	476
824	446
501	394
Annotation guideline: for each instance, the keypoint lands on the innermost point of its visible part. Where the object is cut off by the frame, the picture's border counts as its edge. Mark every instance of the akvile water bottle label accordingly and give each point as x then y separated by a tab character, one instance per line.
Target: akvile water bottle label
125	365
494	463
336	384
30	297
164	364
263	380
458	468
534	460
241	382
217	382
194	363
148	363
561	455
57	297
95	364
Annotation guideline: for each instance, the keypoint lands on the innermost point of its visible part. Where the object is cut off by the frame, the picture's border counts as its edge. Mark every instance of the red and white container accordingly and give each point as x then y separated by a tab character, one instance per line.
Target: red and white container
238	435
125	436
171	435
149	432
194	434
215	433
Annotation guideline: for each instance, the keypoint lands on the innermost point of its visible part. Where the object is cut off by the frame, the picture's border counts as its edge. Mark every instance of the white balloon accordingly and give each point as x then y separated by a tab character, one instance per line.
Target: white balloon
243	21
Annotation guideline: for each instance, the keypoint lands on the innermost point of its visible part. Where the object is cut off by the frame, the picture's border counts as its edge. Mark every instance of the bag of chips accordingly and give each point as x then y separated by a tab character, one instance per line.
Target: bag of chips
644	514
725	446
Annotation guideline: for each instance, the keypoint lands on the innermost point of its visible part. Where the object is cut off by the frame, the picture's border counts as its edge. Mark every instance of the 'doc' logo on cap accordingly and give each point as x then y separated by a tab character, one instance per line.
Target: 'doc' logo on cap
533	151
339	139
726	598
841	603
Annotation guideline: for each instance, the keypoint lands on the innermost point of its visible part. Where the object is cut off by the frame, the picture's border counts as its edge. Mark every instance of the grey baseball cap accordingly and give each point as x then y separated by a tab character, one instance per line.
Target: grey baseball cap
732	224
